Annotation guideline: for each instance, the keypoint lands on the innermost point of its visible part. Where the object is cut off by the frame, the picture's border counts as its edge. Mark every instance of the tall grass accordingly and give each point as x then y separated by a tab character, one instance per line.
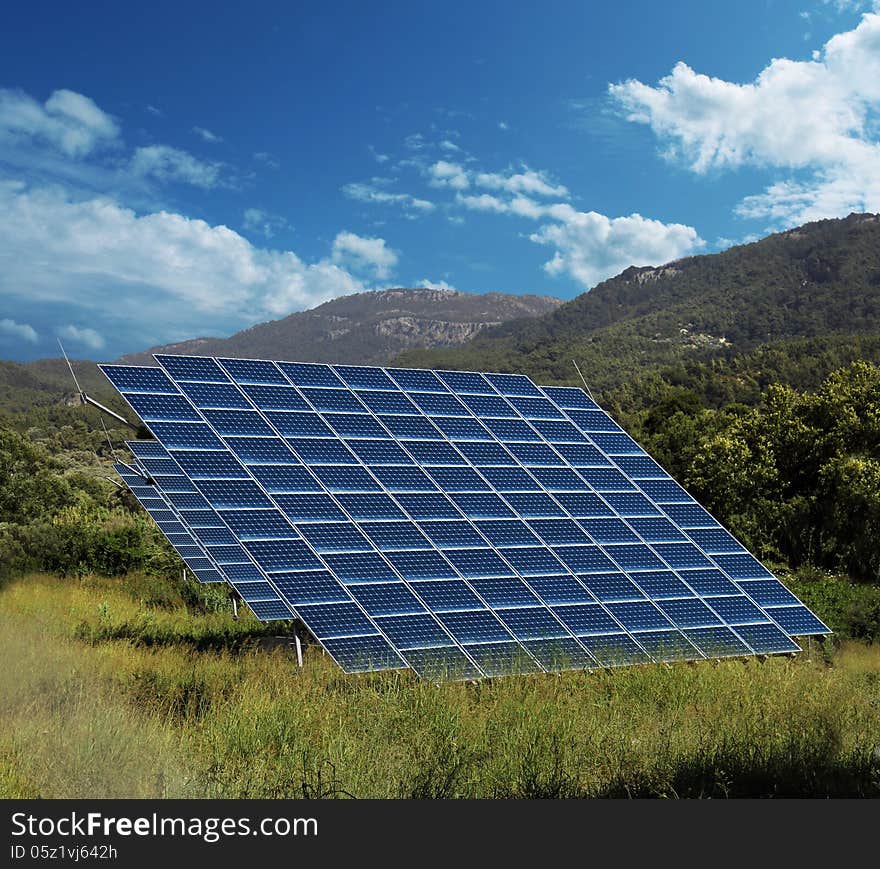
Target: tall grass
88	709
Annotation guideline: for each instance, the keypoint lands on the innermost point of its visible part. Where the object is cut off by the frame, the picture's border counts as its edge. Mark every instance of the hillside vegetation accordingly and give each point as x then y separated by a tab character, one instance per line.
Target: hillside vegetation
790	307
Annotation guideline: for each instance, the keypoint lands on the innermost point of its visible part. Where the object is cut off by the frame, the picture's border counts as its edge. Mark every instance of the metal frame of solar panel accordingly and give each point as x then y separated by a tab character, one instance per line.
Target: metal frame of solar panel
459	523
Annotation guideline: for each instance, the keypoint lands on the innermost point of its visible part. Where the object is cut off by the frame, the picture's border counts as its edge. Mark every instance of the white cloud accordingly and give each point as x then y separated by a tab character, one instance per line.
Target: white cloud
527	182
426	284
444	174
503	125
483	202
267	224
360	253
171	164
207	135
815	120
268	159
22	331
82	335
591	247
159	269
67	121
371	192
448	145
379	158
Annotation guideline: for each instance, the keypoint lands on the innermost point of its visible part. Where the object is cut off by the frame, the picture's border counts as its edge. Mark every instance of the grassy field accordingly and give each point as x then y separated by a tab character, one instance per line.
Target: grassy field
114	688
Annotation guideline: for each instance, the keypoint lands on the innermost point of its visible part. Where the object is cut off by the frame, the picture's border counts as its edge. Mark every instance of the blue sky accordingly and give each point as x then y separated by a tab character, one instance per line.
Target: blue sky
175	170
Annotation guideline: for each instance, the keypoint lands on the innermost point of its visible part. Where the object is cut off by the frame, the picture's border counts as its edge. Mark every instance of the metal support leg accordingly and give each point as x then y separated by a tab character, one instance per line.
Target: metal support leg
299	650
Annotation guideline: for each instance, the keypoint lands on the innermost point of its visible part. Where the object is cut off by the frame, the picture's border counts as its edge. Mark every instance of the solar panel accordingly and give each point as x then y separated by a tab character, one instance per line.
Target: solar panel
456	523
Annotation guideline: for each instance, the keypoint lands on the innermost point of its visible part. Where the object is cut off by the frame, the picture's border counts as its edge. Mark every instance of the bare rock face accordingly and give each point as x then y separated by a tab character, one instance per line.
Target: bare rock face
367	328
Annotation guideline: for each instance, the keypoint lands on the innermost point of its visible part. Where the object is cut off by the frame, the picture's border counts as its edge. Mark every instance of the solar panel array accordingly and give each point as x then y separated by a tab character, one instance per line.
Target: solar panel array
458	523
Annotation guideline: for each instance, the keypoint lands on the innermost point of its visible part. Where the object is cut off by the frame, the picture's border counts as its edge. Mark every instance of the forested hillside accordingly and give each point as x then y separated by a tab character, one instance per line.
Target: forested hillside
789	308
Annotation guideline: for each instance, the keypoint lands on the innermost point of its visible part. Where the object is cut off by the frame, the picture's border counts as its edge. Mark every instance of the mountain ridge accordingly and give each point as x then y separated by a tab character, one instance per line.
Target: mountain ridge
816	280
367	328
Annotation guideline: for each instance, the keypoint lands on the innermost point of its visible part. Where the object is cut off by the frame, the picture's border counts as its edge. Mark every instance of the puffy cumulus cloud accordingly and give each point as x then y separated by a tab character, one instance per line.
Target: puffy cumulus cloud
68	122
373	192
82	335
426	284
171	164
521	206
364	254
527	182
591	247
445	174
163	270
816	119
21	331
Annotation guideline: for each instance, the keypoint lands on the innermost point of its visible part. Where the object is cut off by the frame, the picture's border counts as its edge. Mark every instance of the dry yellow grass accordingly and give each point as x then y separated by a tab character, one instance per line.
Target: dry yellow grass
115	717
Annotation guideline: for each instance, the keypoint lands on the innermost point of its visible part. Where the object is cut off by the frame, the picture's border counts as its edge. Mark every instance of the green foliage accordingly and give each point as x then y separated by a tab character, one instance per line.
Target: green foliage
798	476
849	609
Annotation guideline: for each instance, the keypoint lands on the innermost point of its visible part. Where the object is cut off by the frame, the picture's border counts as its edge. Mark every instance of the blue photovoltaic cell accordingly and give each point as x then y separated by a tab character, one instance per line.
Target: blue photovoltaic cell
186	435
768	592
568	397
301	374
255	371
498	659
261	450
446	533
309	507
364	654
159	408
370	506
386	598
503	592
560	589
340	400
215	395
132	379
394	511
464	428
413	378
587	619
275	397
387	402
466	382
612	650
611	586
447	595
513	384
420	564
532	623
797	620
310	586
364	377
667	645
440	663
192	368
767	639
413	631
474	626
